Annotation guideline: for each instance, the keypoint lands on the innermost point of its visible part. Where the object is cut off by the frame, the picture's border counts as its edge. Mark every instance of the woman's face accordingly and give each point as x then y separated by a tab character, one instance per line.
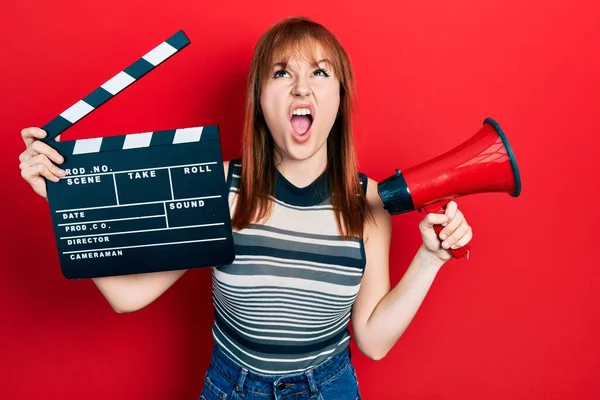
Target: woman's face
300	102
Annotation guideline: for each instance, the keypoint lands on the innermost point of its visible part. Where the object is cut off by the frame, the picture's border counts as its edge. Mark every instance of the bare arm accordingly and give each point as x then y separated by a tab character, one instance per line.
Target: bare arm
124	293
130	293
380	315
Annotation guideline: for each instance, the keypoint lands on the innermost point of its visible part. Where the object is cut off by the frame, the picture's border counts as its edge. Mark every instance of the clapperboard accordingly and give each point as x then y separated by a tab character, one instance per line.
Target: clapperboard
141	202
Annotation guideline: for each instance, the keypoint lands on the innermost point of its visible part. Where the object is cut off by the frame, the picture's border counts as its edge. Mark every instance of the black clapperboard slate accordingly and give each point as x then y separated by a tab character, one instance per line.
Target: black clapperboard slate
141	202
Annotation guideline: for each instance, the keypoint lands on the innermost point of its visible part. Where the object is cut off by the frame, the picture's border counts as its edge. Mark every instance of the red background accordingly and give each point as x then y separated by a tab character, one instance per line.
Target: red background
520	320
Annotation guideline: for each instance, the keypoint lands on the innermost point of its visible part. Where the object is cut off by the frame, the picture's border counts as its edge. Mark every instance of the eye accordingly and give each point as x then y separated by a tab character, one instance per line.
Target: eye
321	72
280	73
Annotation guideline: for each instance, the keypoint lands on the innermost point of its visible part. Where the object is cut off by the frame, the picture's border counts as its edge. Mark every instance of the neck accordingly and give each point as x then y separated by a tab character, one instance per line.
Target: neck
302	173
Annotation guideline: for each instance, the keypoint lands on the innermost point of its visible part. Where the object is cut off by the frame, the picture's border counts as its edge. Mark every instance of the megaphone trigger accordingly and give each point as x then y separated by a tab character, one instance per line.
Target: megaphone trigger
438	207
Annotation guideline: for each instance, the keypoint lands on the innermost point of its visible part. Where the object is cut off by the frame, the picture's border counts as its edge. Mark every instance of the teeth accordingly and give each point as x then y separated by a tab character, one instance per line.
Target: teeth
301	111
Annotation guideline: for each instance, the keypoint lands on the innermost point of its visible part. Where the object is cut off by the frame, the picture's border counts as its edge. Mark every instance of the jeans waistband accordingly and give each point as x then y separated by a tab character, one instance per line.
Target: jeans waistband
241	376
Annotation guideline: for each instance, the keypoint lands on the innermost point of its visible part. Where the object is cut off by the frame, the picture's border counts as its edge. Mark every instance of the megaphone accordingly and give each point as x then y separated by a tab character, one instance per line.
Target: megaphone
484	163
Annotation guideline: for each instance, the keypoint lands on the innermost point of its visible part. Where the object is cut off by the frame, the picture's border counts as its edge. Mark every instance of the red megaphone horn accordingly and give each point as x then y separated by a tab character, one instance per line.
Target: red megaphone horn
484	163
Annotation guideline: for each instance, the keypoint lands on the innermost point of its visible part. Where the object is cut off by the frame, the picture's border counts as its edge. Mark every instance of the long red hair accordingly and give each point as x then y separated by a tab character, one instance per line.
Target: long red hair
257	182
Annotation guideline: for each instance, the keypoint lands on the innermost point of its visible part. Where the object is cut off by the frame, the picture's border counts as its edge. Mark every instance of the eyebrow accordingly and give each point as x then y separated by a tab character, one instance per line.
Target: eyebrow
283	64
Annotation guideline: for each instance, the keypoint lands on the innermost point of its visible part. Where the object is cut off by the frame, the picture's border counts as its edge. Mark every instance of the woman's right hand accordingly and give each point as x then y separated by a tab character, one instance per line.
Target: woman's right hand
36	161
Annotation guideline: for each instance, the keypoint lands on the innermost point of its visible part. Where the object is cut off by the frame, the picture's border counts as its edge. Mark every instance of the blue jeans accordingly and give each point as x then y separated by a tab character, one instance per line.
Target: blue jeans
334	379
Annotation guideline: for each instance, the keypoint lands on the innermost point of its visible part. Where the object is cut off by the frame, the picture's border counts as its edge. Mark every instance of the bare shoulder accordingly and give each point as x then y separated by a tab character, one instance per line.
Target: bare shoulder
380	224
373	198
374	202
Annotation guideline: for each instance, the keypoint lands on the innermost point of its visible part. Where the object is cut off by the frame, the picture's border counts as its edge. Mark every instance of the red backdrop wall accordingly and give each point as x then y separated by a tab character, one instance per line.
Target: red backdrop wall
520	320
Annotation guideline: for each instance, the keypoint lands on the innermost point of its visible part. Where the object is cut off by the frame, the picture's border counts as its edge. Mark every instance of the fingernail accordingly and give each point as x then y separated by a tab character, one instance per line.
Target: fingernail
60	158
445	245
61	172
443	236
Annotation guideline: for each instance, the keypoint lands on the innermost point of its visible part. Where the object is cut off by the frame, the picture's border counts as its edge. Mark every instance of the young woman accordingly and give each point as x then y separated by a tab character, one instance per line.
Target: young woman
312	237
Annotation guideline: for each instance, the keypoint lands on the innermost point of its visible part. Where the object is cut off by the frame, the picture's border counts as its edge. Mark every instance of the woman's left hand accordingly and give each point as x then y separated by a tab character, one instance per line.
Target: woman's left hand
455	234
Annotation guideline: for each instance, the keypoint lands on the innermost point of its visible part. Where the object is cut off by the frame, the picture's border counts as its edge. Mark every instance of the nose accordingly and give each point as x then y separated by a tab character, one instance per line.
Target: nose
301	88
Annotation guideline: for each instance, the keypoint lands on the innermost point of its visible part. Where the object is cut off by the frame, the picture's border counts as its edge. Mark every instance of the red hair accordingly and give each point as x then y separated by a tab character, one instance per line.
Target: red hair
257	183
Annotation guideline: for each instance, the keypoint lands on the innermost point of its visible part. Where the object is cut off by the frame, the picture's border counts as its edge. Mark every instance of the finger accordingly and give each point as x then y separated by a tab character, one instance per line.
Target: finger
451	208
43	148
463	241
457	234
57	138
452	224
432	219
33	172
29	135
27	154
43	160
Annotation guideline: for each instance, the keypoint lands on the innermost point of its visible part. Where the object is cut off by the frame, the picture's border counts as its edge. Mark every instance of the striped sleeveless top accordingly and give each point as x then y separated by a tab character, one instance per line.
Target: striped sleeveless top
284	304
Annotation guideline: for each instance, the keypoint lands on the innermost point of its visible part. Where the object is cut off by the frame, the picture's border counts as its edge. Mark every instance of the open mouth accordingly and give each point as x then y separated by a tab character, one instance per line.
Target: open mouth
301	121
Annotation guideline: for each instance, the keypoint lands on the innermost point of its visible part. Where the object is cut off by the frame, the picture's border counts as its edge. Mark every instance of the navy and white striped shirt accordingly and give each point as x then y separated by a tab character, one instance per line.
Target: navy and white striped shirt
284	304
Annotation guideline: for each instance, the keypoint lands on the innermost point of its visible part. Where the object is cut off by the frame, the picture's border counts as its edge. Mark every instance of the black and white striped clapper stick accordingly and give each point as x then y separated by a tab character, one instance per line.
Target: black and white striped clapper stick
141	202
116	84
